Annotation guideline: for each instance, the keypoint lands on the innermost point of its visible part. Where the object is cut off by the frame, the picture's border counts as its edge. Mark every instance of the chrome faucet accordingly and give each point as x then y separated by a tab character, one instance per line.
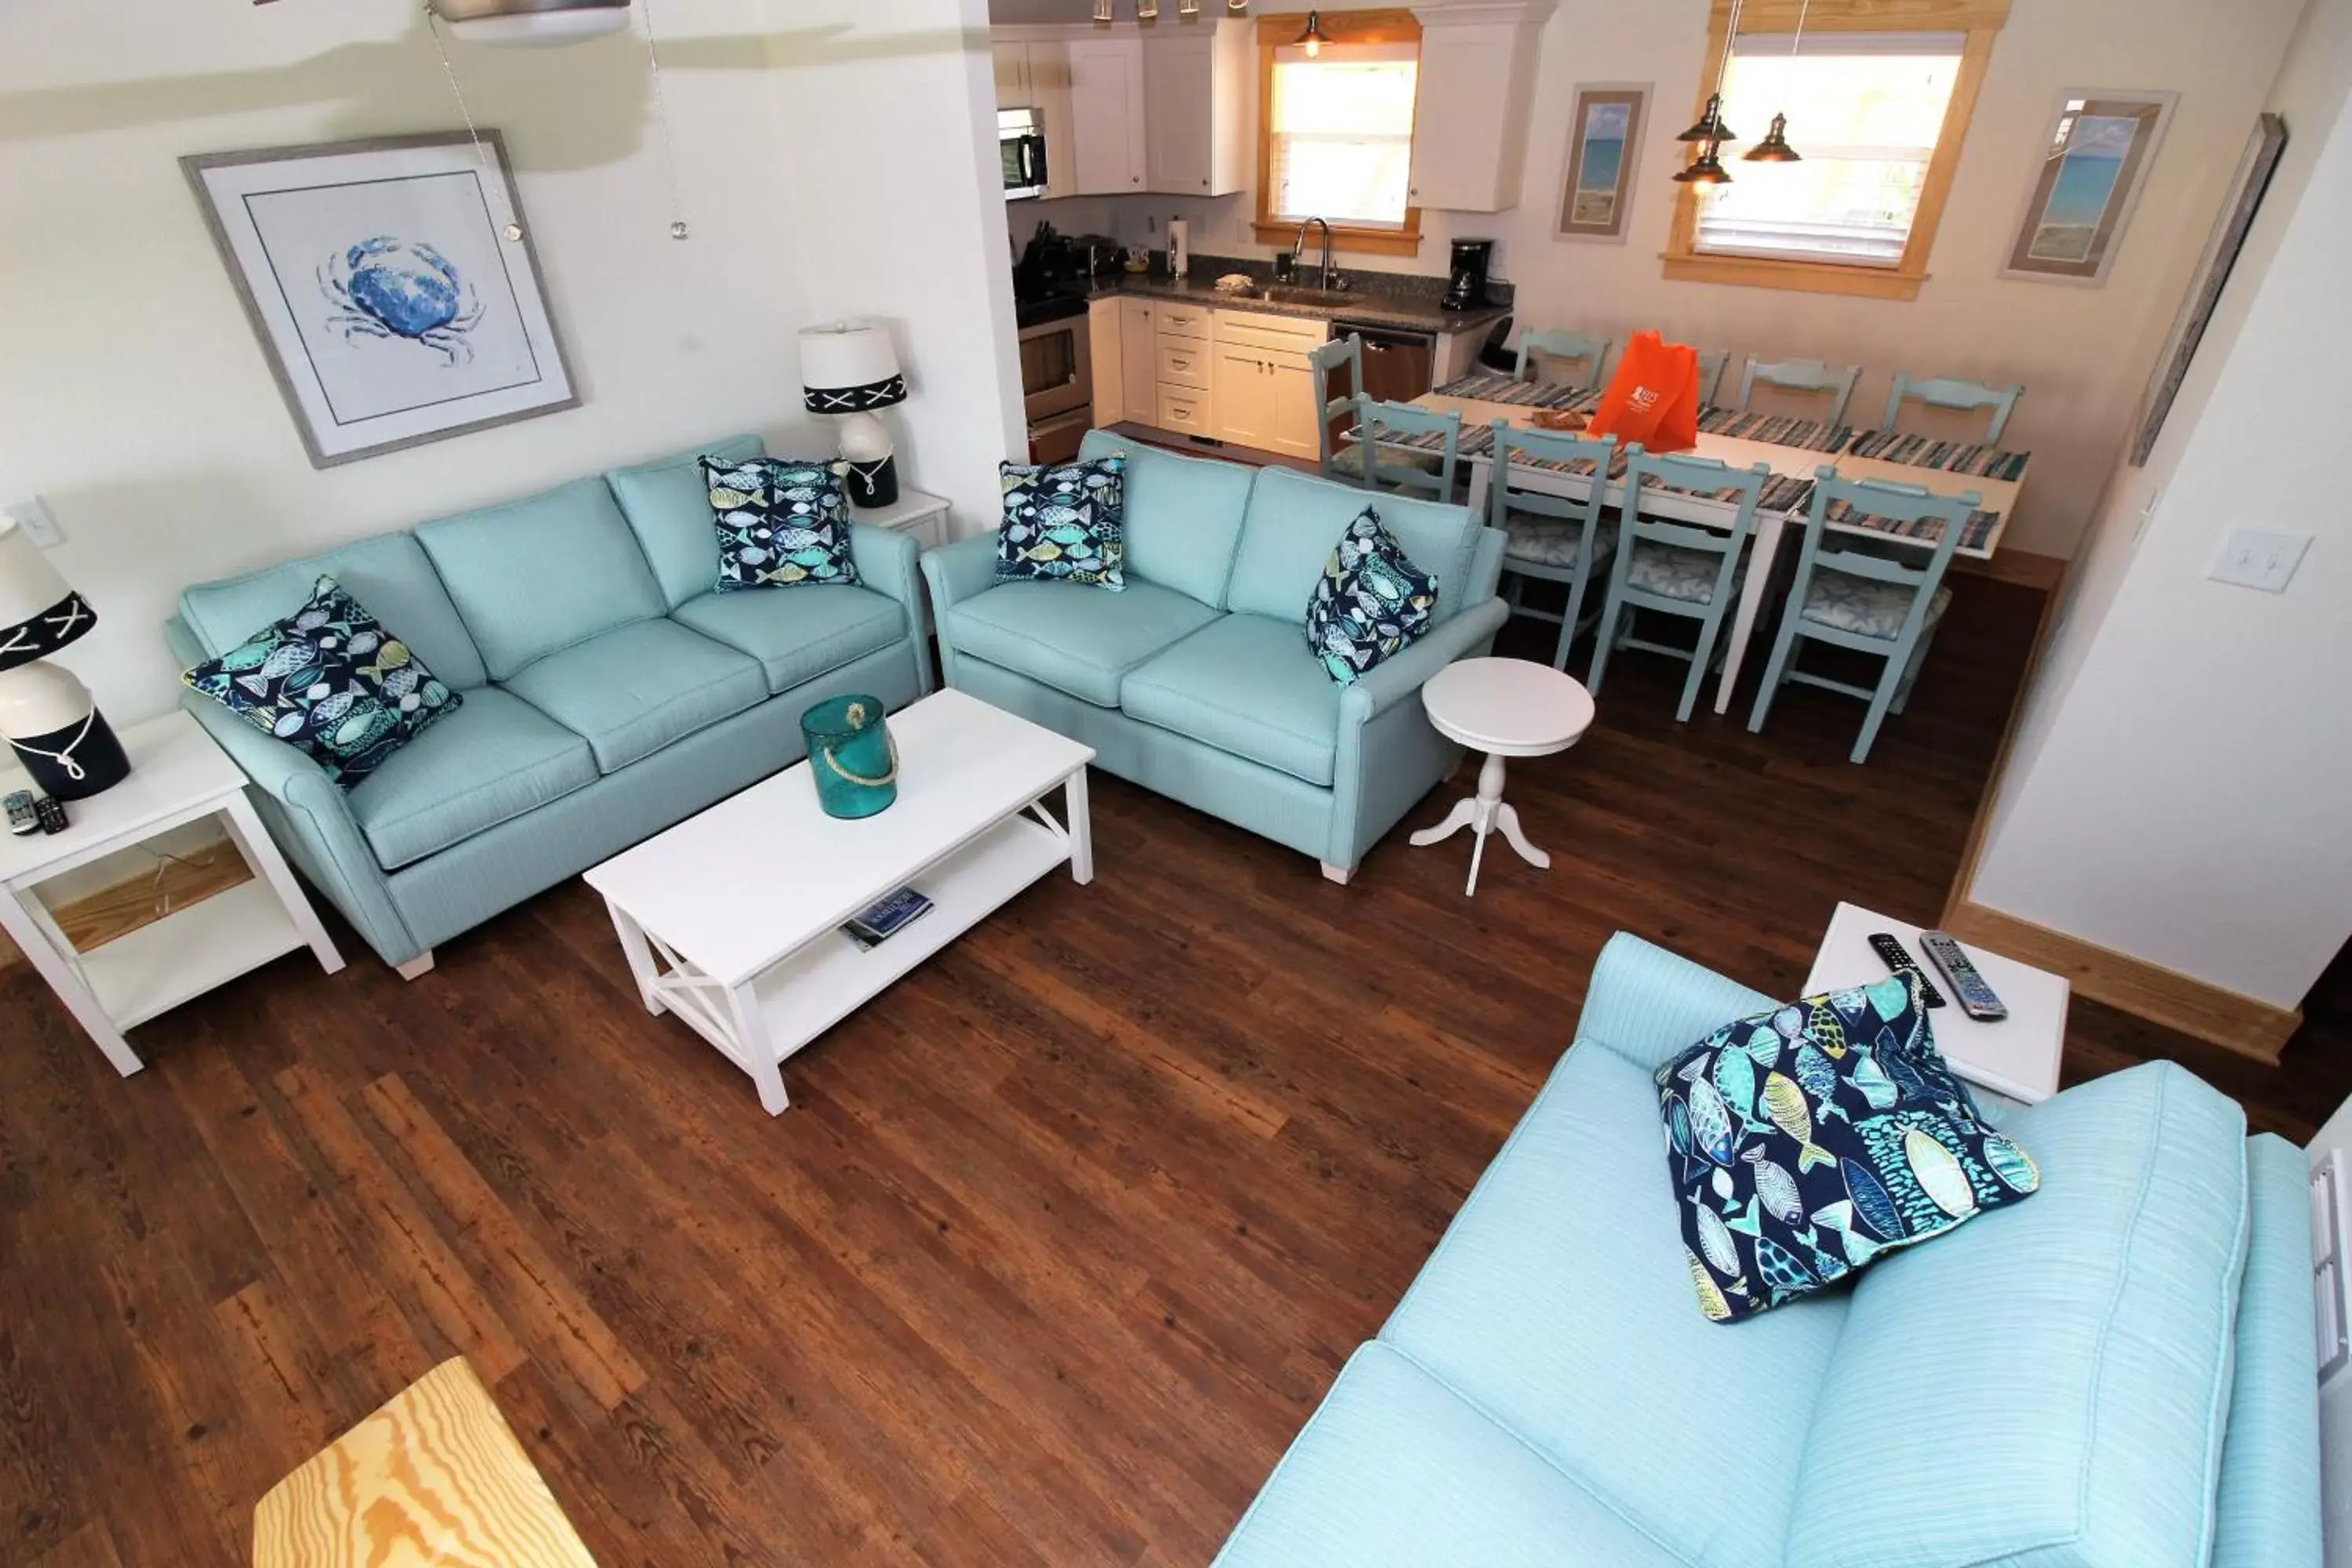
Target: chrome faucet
1330	272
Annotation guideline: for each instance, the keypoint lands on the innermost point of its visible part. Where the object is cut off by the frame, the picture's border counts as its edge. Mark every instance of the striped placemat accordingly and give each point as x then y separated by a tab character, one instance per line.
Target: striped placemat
1779	429
1979	528
1497	386
1952	457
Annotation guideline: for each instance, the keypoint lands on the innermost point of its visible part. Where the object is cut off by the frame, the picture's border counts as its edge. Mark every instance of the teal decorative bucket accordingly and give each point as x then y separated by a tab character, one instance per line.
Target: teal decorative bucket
853	756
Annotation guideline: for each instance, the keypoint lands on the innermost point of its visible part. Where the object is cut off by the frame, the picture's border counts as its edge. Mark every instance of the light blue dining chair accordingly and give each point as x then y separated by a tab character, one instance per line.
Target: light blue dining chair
1379	426
1859	591
1341	460
1681	568
1711	365
1551	539
1950	392
1592	348
1806	375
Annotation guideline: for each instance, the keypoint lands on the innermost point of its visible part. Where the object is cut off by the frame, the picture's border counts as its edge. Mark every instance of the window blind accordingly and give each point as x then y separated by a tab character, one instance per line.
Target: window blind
1340	142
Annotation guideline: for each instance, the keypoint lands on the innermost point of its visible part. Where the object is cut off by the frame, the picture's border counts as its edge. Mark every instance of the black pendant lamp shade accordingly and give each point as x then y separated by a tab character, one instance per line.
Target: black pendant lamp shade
1710	126
1707	169
1315	37
1775	148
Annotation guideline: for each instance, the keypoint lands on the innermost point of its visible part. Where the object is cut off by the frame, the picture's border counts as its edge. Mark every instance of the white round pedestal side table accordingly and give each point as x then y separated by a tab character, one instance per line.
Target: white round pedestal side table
1505	707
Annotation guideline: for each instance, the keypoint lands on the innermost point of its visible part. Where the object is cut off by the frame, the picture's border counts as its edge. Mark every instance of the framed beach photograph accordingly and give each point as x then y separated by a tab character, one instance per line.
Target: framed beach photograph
2100	147
393	286
1604	142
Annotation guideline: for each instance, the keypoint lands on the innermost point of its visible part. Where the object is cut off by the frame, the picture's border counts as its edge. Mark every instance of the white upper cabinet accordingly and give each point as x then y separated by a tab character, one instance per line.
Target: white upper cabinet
1107	153
1196	81
1012	75
1036	75
1478	88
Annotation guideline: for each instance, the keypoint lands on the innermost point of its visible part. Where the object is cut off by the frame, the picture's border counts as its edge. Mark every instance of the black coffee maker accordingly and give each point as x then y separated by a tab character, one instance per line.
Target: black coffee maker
1472	260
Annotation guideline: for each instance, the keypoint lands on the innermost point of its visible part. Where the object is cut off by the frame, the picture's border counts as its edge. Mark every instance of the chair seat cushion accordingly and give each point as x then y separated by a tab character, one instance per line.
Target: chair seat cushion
632	691
1350	459
1074	638
1396	1471
1248	684
1560	1303
1671	571
1866	606
489	762
1546	542
799	636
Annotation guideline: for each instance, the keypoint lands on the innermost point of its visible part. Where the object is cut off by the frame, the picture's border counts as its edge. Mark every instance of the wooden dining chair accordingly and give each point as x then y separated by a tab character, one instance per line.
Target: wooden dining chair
1805	376
1680	568
1951	392
1382	427
1551	538
1711	367
1592	348
1341	460
1880	593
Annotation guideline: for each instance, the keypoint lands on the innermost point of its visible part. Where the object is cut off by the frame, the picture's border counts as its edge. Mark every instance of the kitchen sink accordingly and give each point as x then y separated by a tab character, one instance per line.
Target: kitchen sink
1294	294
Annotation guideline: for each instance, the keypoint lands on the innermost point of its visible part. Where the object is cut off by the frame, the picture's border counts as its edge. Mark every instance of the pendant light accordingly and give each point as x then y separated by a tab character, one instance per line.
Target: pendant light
1707	169
1775	148
1710	126
1315	37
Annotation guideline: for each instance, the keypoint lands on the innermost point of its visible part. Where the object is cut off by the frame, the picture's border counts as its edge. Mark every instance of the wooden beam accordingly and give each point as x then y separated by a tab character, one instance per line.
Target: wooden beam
115	911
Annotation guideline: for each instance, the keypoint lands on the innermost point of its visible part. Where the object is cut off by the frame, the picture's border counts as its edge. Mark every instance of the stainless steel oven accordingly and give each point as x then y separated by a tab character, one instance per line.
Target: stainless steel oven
1057	383
1021	148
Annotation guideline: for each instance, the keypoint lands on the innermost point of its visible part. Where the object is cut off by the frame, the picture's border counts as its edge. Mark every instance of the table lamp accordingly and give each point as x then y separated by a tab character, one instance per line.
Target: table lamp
849	370
45	712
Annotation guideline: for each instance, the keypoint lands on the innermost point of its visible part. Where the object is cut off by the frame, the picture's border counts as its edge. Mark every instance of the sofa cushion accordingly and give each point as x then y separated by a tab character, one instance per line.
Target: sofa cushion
1064	523
799	635
2268	1504
1395	1471
668	508
1183	515
1560	1303
632	691
388	574
1248	684
1074	639
491	761
2091	1330
1296	519
542	574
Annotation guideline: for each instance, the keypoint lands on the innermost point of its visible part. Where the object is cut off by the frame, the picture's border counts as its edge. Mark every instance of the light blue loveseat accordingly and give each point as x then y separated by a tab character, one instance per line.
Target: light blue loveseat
2116	1374
609	692
1196	681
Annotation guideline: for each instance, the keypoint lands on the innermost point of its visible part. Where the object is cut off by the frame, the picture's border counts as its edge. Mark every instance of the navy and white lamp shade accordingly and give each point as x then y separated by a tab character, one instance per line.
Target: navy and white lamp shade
850	369
39	614
45	713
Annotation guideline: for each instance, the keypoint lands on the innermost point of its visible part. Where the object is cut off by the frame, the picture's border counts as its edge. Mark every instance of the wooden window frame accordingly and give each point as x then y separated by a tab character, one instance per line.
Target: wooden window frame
1980	20
1278	32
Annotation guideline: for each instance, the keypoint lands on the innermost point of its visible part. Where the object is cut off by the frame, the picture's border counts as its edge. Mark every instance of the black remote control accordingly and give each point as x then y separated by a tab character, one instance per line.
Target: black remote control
1883	944
53	814
23	816
1977	998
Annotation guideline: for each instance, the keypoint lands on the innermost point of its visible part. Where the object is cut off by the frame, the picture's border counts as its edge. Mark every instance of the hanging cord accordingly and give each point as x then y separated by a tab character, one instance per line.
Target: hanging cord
678	229
513	229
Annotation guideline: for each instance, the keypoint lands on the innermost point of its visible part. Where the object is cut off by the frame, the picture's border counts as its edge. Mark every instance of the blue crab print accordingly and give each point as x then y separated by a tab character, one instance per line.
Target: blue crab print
397	288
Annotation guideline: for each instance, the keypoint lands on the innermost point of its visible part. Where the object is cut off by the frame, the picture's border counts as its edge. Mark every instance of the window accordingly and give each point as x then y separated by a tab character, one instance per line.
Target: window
1877	113
1335	129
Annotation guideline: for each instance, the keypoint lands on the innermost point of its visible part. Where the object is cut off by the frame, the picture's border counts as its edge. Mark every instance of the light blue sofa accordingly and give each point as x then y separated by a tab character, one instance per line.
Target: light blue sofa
1196	682
2115	1373
609	692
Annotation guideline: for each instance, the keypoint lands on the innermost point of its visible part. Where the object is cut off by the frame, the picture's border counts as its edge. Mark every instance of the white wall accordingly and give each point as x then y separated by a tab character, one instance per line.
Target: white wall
2083	354
835	158
2184	799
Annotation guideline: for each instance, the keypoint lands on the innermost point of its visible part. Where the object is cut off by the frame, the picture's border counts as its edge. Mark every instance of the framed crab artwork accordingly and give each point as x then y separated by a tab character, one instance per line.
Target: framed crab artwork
393	286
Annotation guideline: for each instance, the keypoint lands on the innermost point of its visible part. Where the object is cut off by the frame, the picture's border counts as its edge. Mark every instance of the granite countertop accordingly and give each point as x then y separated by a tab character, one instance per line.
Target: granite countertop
1373	309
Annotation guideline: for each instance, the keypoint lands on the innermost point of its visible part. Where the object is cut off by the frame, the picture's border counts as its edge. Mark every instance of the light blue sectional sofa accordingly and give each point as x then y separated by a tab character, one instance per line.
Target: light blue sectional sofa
609	691
1196	682
2116	1374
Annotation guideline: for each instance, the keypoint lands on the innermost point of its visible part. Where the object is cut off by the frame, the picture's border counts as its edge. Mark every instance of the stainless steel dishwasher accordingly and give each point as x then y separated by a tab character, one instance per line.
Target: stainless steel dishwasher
1399	363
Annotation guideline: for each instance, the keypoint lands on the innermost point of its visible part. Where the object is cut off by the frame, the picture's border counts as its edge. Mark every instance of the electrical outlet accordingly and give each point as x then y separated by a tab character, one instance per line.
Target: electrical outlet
34	516
2260	558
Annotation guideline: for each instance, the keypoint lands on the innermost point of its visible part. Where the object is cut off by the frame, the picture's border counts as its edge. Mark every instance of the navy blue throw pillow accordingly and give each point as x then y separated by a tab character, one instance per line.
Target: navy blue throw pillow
1807	1141
1370	603
782	522
1065	523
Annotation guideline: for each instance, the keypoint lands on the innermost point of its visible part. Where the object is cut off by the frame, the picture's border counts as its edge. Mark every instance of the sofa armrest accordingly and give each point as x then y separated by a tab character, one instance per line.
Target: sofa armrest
887	562
1646	1004
1394	680
960	570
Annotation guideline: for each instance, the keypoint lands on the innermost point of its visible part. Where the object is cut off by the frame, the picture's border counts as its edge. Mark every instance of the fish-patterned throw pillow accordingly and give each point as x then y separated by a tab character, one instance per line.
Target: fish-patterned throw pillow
782	522
1065	523
1370	603
331	681
1808	1140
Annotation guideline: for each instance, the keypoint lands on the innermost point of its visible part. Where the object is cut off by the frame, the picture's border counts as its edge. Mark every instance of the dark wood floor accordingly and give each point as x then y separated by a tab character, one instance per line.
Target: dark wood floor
1062	1240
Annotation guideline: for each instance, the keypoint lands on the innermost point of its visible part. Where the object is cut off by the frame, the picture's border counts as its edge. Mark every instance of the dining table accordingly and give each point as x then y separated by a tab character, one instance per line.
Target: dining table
1793	449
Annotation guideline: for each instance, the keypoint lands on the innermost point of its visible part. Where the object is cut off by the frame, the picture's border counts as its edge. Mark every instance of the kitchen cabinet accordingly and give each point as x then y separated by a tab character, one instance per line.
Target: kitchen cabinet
1035	74
1264	384
1139	350
1477	89
1106	345
1011	75
1197	80
1108	153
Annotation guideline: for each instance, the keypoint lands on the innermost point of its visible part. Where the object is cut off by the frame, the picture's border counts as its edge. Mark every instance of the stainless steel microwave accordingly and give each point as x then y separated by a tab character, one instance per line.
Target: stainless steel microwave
1021	147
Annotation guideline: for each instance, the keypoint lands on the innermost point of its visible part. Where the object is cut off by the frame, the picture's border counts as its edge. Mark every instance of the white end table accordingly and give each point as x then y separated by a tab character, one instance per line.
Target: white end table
1505	707
2016	1057
177	776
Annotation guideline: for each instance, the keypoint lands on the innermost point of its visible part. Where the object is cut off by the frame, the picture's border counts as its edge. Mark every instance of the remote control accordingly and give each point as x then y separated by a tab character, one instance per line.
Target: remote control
1883	944
52	813
1977	998
22	817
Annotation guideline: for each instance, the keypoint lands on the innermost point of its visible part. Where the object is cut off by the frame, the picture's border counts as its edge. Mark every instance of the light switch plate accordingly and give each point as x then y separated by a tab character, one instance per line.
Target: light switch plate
2260	558
34	516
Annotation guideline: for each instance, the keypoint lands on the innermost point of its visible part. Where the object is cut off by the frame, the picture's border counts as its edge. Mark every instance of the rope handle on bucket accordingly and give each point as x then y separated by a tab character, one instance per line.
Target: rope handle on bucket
857	720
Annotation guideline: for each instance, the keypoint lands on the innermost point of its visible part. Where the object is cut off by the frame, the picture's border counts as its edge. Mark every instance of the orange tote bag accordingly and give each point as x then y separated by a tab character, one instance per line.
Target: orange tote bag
1653	396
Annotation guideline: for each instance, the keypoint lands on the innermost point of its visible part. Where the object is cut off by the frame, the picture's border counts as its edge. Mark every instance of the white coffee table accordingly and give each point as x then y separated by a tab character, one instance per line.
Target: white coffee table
1505	707
731	921
2017	1057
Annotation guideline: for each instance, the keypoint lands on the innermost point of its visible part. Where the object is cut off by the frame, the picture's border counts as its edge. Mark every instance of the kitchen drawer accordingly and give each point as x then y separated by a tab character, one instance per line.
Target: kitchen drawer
1297	334
1184	408
1184	322
1183	363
